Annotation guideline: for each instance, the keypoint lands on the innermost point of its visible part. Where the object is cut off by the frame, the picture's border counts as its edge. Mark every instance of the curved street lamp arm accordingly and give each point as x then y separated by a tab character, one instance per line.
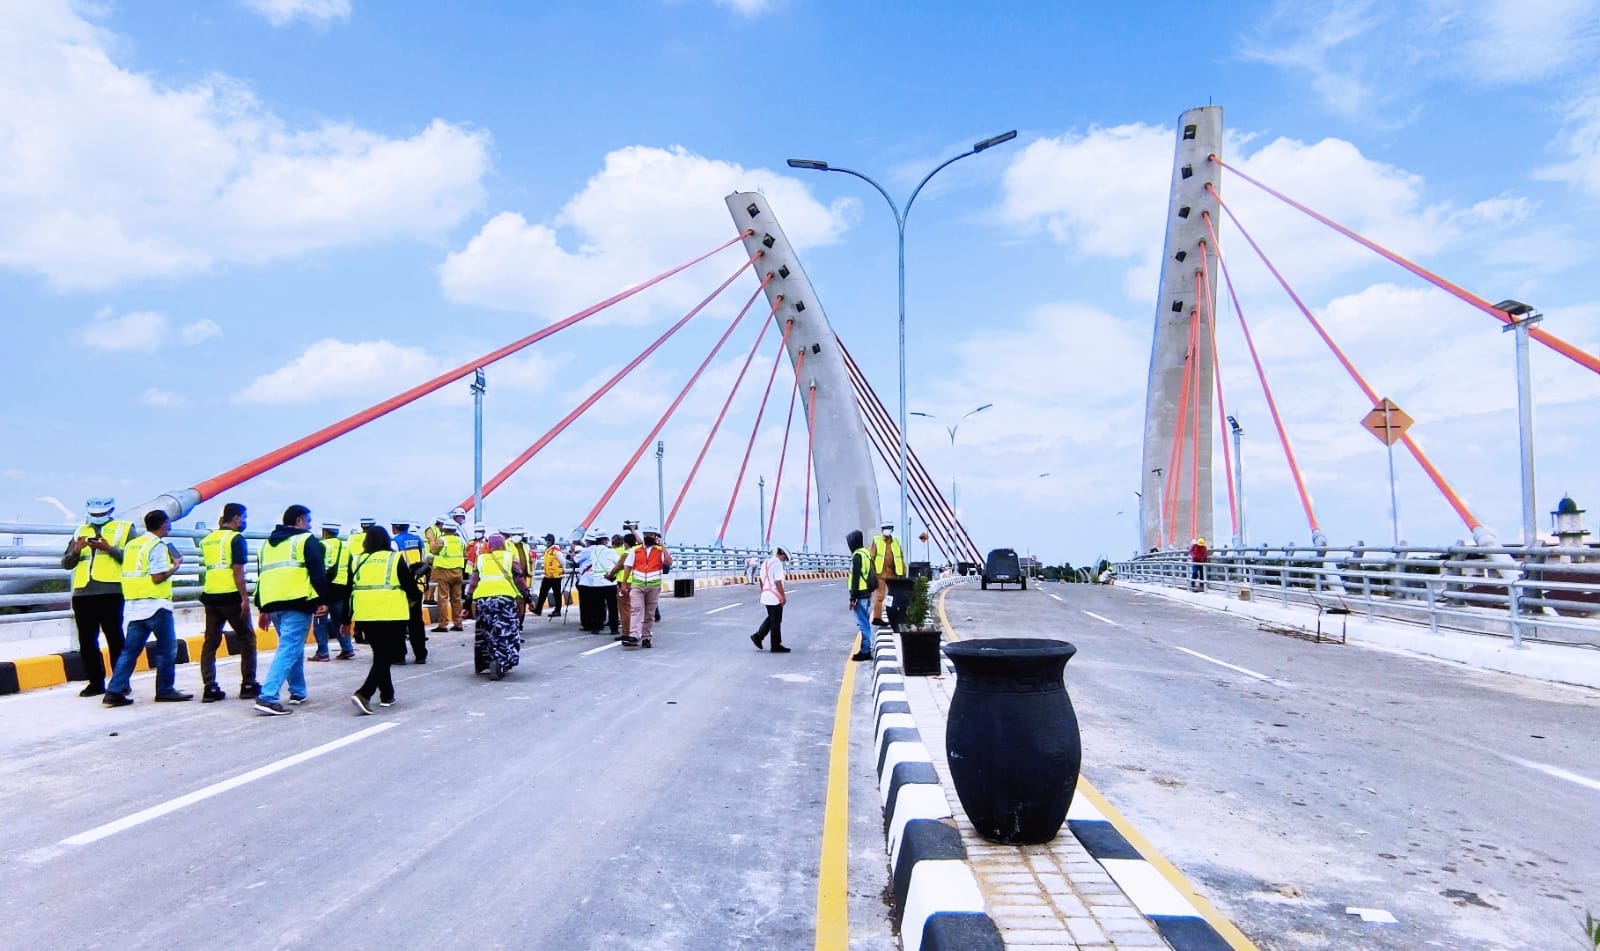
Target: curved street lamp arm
899	219
947	163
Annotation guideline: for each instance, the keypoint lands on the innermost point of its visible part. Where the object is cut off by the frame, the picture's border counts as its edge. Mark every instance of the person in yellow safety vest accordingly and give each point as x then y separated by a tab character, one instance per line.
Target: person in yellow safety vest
291	588
336	560
358	537
226	598
645	565
888	561
449	560
430	536
550	584
496	645
383	592
522	559
623	544
404	541
94	556
148	564
860	585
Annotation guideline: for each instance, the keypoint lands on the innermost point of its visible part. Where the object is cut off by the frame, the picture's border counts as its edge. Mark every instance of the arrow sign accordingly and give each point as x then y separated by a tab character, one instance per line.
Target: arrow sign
1387	421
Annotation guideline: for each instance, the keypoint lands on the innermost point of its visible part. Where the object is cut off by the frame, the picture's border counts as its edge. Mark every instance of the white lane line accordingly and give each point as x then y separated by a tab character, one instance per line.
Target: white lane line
1056	596
1222	663
1557	772
215	789
602	647
1101	617
725	607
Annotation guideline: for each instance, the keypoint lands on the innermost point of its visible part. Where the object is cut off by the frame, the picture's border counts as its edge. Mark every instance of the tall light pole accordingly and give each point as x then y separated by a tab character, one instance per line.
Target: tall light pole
1238	479
661	486
900	227
1161	512
1516	309
480	383
761	512
955	502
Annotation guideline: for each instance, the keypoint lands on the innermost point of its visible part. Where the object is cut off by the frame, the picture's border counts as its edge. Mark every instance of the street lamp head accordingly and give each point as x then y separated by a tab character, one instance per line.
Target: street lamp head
927	415
1234	425
1513	308
808	163
995	140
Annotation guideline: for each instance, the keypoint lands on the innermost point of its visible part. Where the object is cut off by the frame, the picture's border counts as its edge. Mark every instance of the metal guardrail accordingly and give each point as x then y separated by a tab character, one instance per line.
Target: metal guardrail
34	586
1548	594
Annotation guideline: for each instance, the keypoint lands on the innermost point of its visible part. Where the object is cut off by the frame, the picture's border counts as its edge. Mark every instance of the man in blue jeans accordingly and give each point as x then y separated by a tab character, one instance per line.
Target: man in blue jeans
291	588
148	565
862	585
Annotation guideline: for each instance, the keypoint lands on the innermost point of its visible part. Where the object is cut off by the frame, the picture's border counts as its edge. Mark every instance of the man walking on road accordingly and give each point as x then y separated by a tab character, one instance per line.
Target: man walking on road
291	587
550	585
861	587
148	564
94	556
888	561
773	597
226	598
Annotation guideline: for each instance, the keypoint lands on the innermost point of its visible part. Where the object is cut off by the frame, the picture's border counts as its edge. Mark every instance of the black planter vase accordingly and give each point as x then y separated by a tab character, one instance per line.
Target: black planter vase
1012	737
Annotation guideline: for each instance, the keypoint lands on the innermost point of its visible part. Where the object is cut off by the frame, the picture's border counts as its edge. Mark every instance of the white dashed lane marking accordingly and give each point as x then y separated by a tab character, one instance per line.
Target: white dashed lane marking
1056	596
1101	617
1222	663
1557	772
602	647
725	607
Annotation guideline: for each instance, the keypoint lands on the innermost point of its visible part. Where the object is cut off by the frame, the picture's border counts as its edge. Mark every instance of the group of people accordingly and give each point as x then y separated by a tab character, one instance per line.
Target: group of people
368	588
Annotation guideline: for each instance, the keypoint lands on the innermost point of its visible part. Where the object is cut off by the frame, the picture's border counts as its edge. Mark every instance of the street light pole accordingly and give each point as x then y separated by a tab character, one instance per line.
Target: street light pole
761	512
1529	317
479	385
661	486
900	229
1161	513
955	501
1238	479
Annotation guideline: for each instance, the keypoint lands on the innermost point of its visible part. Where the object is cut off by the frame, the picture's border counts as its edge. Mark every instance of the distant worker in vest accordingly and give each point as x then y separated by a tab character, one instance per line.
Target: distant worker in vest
581	562
430	536
449	562
773	598
291	589
382	591
94	556
645	567
148	564
409	545
358	537
521	558
888	561
603	558
861	586
336	561
1197	564
752	570
622	544
226	598
552	563
496	644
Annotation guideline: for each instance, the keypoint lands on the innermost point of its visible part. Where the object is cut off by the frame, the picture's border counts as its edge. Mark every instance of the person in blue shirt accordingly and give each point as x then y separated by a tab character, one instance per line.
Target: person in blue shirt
409	545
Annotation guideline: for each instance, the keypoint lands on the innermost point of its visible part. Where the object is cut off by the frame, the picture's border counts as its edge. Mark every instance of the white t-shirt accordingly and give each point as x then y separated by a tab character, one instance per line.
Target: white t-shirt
771	574
139	609
602	558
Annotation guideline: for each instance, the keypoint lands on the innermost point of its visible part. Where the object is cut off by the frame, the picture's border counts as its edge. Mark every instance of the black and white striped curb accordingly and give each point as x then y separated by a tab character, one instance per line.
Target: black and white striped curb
1173	914
937	902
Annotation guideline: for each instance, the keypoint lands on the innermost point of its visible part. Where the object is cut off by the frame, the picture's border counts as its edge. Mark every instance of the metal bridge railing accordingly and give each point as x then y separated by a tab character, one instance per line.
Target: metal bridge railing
1547	594
34	586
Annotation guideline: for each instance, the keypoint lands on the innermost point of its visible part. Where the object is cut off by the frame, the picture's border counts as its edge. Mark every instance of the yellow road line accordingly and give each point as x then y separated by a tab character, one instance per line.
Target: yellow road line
833	877
1231	934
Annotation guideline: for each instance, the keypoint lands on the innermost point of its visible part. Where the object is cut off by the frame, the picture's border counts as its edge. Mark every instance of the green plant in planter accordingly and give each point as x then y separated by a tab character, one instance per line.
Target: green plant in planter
917	607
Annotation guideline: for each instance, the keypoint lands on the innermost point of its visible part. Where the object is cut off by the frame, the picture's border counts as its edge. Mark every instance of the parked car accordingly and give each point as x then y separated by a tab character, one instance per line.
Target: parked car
1003	567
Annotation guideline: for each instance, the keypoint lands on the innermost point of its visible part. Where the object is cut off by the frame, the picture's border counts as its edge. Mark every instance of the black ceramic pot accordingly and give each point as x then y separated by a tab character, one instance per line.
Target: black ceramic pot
1012	737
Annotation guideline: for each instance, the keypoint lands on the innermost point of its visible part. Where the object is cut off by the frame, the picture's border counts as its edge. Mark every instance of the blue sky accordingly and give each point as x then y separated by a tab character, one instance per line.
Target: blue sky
224	225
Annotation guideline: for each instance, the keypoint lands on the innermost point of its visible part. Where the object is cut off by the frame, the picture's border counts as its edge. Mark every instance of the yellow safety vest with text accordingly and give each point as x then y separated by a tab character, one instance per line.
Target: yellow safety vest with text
336	558
281	573
136	583
452	552
216	559
94	565
376	594
494	577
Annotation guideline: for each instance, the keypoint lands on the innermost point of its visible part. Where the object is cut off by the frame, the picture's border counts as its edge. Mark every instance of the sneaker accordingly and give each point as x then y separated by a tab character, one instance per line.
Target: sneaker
297	701
440	629
457	627
116	699
361	704
93	690
212	694
268	707
862	655
630	641
249	691
756	640
420	660
346	655
176	696
386	703
779	649
319	658
646	643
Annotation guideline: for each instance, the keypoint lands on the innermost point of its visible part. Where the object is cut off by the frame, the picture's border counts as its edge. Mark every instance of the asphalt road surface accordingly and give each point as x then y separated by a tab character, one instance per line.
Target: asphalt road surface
596	798
1306	779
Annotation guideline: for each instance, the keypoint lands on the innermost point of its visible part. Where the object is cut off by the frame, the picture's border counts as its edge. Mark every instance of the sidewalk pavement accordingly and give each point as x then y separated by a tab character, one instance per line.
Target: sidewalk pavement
1539	660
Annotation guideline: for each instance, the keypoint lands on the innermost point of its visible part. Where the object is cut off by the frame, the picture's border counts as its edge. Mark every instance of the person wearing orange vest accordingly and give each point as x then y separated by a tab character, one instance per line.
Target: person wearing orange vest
550	584
645	566
148	564
94	556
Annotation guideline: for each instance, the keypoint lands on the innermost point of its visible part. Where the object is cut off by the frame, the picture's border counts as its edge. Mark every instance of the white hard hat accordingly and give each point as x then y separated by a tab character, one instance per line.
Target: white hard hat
479	528
458	510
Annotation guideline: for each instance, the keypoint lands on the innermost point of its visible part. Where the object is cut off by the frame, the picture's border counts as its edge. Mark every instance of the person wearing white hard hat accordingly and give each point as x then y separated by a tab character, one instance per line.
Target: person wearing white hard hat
409	546
645	566
475	547
888	561
522	560
603	558
94	556
358	542
336	562
449	561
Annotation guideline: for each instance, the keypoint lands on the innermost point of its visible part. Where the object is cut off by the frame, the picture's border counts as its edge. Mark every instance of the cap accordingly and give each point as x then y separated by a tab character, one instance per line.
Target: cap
331	526
550	538
100	505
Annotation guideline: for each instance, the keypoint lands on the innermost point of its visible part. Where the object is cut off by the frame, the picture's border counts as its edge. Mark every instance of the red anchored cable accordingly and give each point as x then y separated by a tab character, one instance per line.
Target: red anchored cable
1216	373
1550	340
1194	416
811	440
777	485
522	458
783	348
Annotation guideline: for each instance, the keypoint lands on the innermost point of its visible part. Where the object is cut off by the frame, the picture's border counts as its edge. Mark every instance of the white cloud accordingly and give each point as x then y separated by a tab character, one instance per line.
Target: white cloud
331	368
647	210
1580	143
747	8
109	175
162	398
203	329
283	12
139	330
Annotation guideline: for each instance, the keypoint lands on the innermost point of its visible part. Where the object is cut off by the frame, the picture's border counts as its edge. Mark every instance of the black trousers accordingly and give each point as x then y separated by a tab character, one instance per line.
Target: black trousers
551	588
388	642
418	633
97	614
591	608
608	598
773	624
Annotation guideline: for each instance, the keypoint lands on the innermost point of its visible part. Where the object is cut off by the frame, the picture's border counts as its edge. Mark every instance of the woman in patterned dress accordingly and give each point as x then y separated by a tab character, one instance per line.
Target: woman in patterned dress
496	585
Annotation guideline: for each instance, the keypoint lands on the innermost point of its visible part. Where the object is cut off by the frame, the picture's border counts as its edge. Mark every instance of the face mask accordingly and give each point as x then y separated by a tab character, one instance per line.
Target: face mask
99	519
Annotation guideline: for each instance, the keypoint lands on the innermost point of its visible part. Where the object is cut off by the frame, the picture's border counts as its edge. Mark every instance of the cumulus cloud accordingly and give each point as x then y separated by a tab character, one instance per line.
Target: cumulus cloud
283	12
111	175
161	398
1579	142
375	368
142	330
203	329
645	211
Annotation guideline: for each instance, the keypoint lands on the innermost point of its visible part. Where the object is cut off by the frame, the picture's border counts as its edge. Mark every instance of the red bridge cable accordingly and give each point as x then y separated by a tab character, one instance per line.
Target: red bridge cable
695	469
916	470
777	485
811	441
949	549
249	470
521	460
1216	374
1555	343
783	348
594	513
1460	507
1194	416
1266	388
1180	435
